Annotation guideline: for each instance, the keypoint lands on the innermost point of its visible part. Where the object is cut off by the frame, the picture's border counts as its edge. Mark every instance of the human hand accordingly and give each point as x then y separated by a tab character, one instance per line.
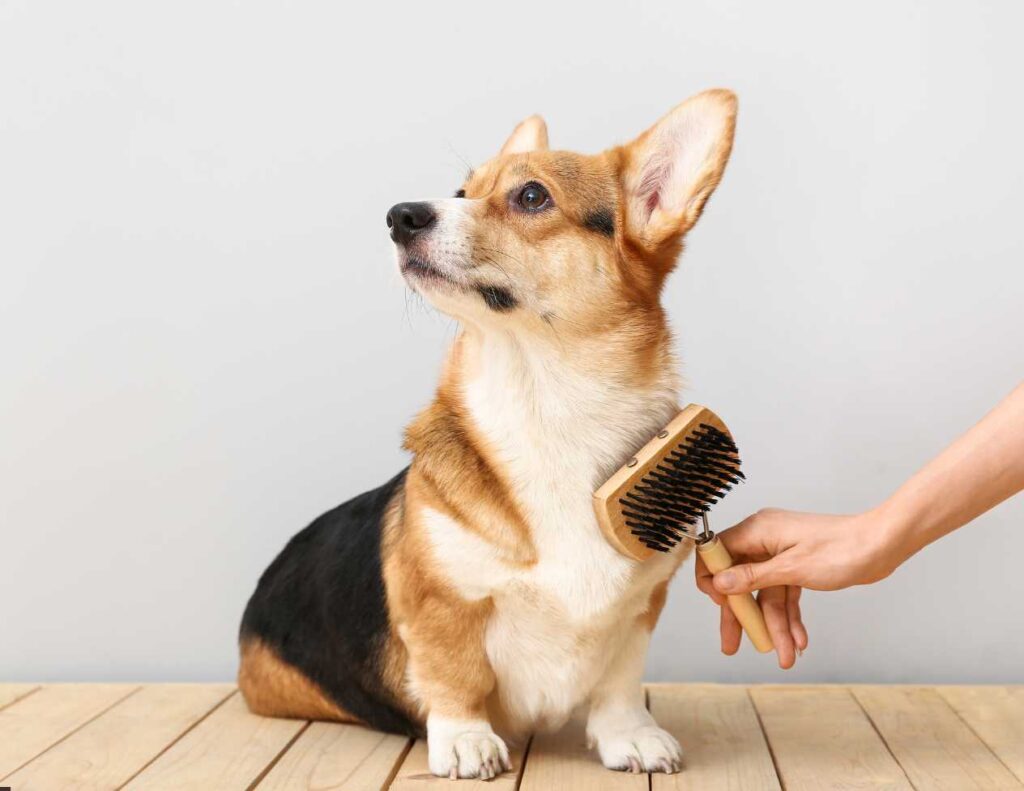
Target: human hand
780	552
780	605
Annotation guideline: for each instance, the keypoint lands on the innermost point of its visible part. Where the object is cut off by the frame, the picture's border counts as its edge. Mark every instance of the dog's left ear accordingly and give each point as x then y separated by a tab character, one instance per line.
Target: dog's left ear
670	171
530	135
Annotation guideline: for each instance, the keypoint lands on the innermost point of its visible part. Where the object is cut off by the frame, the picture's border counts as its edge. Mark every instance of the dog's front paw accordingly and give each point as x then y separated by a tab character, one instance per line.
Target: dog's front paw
646	748
465	748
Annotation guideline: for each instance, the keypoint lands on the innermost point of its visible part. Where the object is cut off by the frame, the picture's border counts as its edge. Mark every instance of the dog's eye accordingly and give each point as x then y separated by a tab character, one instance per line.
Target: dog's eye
533	197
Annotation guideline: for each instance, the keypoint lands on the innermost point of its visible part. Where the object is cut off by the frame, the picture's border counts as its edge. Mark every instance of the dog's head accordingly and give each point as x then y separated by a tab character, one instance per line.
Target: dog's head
536	236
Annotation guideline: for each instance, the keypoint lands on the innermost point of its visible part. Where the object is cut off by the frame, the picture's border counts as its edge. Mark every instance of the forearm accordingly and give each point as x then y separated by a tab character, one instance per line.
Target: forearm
827	552
977	472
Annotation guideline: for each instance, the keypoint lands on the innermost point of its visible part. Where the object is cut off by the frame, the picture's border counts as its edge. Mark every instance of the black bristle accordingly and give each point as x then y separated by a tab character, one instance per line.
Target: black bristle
674	494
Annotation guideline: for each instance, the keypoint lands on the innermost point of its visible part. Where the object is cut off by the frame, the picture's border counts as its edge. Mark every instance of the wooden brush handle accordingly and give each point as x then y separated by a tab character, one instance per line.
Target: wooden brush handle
716	557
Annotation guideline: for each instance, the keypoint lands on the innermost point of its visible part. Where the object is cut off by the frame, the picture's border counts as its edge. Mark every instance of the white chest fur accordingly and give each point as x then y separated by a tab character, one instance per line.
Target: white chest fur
558	433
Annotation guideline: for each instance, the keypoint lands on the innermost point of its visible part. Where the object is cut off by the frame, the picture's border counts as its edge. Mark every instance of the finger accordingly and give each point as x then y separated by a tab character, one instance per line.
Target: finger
704	582
773	604
796	621
731	631
747	577
708	587
757	536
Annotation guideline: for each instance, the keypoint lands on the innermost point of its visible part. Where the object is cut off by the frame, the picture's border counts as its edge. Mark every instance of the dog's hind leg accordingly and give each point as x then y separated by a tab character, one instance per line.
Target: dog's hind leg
273	688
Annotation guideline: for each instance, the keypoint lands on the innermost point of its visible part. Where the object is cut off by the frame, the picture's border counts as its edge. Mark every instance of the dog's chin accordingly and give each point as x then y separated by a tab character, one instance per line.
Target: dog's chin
450	292
421	274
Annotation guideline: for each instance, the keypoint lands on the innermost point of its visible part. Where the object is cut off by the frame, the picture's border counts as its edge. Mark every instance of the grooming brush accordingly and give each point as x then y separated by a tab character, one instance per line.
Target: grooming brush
666	489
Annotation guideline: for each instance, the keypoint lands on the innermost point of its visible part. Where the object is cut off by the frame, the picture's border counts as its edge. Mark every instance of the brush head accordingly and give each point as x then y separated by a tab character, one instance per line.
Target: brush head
650	503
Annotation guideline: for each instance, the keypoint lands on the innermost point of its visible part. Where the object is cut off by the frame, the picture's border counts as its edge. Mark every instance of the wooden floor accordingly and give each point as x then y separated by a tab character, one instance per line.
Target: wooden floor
200	736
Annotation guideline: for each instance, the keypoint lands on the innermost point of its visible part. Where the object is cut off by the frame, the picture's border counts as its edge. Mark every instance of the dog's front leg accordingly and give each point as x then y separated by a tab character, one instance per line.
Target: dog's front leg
450	673
626	735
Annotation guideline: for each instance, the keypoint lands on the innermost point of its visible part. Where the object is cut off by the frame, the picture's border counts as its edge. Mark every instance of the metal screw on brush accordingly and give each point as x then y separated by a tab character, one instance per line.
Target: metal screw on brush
705	533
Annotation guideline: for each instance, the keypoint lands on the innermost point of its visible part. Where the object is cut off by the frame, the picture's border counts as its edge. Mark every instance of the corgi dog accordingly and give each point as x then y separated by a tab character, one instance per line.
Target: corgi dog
473	598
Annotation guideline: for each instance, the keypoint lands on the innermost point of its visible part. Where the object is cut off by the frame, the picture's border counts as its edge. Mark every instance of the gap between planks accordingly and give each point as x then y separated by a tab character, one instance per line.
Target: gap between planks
45	717
734	737
119	742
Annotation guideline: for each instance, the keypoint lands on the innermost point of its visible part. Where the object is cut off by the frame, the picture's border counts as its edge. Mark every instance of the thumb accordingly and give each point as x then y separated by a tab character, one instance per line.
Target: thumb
747	577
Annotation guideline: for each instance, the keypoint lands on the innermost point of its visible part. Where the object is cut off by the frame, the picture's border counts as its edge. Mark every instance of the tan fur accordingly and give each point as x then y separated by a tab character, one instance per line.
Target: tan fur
451	473
273	688
655	605
530	135
587	333
453	469
594	296
571	270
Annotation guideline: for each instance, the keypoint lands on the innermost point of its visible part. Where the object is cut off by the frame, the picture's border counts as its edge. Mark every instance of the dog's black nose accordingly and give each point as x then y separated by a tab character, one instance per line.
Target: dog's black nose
408	219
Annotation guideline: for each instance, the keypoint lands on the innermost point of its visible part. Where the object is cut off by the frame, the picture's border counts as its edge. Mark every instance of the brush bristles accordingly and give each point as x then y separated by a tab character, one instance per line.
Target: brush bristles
678	490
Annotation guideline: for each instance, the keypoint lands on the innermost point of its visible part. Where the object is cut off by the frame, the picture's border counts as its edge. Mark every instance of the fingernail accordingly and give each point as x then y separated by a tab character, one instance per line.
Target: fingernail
726	580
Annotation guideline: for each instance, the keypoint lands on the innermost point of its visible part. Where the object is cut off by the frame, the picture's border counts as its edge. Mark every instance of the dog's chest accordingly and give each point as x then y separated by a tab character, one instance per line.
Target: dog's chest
554	446
557	623
578	580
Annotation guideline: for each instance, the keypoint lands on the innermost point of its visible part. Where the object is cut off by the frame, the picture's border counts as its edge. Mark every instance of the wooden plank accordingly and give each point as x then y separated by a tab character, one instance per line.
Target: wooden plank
933	745
996	714
9	693
228	750
109	750
414	774
40	720
718	729
563	760
821	738
336	756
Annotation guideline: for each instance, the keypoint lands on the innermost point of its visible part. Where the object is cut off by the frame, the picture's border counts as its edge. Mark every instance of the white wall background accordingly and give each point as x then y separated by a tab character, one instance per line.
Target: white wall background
203	343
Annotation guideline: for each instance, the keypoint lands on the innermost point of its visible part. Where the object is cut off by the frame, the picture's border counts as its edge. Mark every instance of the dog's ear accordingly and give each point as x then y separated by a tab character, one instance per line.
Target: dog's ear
530	135
670	171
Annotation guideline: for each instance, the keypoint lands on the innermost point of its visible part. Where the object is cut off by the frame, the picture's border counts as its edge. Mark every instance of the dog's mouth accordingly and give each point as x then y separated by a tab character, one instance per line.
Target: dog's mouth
424	275
419	272
419	269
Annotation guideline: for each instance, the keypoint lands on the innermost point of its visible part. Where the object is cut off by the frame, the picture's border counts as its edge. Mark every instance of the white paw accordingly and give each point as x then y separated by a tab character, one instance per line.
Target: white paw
465	748
646	748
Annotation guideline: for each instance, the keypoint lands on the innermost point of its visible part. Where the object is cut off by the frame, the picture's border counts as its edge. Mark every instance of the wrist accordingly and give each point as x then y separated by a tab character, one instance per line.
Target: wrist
892	526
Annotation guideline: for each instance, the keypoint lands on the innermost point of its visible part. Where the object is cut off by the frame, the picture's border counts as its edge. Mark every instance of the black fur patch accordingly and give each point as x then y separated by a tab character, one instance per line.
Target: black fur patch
600	220
321	606
498	298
